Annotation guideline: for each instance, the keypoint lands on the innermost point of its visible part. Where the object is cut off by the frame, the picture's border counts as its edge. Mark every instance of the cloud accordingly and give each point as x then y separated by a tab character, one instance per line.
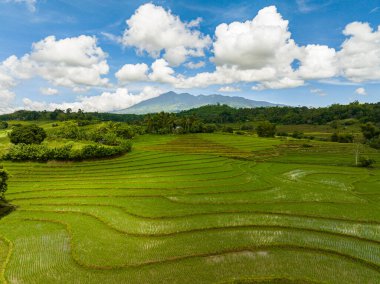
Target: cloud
192	65
361	91
106	102
255	44
261	50
48	91
132	73
70	62
229	89
31	4
374	10
6	83
317	62
162	73
307	6
178	40
318	92
359	58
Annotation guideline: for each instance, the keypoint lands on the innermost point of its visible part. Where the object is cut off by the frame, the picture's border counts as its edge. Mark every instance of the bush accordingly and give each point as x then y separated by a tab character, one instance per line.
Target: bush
266	129
41	153
366	162
247	127
297	135
3	125
228	129
209	128
282	133
25	152
27	134
375	143
3	181
342	138
240	132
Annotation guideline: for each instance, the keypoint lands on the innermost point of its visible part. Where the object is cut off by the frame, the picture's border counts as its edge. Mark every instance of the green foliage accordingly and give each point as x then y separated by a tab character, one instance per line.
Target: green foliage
375	142
266	129
27	134
3	181
209	128
247	127
42	153
366	162
228	129
370	131
3	125
342	138
298	135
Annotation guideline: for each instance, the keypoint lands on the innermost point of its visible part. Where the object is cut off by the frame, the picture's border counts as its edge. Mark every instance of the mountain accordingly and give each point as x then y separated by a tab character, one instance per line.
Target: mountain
173	102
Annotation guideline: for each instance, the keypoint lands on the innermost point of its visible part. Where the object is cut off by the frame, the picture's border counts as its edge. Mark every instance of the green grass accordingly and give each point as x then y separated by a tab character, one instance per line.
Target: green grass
202	208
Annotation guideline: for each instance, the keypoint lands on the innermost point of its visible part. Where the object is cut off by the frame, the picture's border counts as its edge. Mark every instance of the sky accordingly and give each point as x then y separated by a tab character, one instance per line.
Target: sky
109	55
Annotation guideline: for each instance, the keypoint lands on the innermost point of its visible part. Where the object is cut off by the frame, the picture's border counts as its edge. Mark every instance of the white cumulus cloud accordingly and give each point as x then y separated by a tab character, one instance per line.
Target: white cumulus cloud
70	62
132	73
105	102
153	29
361	91
360	53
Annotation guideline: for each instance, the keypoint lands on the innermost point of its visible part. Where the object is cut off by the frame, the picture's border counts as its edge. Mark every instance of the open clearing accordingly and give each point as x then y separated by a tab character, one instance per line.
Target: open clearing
196	209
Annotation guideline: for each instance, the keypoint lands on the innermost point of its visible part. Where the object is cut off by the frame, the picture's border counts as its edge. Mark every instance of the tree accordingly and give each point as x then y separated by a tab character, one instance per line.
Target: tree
266	129
27	134
3	181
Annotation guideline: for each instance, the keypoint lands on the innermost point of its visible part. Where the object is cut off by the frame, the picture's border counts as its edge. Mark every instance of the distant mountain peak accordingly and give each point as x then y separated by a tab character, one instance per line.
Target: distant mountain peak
174	102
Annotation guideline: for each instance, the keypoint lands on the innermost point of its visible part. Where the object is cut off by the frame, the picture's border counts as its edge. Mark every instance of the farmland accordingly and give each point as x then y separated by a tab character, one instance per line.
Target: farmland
200	208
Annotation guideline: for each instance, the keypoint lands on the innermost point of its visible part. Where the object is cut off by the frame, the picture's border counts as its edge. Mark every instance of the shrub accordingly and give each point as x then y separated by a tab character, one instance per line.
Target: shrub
342	138
3	125
28	152
247	127
266	129
42	153
3	181
375	143
282	133
27	134
228	129
297	135
366	162
209	128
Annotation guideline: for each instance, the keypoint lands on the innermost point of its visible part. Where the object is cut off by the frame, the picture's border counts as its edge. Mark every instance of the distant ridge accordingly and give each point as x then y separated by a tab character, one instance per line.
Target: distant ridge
173	102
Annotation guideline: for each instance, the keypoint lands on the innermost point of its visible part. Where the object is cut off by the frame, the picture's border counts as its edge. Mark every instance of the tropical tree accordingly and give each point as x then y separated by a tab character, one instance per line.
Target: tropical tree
266	129
27	134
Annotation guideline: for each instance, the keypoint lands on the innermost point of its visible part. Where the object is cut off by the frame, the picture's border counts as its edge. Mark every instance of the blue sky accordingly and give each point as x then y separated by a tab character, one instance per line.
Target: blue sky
108	55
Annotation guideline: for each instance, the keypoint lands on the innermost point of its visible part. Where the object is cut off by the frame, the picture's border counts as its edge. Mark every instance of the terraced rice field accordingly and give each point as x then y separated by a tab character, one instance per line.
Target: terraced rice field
195	209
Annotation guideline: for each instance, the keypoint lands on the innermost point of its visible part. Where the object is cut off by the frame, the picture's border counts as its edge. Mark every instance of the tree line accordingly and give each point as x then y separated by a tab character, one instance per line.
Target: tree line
367	112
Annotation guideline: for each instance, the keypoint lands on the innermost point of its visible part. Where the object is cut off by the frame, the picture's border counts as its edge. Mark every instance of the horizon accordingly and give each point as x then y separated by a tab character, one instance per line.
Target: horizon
108	57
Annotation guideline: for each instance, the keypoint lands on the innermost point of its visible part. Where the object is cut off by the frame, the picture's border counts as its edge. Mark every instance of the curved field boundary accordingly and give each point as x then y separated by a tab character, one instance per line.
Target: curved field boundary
5	263
216	228
365	263
231	212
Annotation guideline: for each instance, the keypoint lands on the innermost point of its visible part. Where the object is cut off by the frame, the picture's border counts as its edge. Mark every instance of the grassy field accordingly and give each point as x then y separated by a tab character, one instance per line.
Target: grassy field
204	208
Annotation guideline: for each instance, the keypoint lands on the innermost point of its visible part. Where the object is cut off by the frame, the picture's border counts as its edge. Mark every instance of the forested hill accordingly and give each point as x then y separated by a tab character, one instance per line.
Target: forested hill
223	113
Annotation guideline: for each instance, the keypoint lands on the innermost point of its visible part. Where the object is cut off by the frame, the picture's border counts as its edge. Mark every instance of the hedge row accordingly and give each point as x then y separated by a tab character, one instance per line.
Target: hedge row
42	153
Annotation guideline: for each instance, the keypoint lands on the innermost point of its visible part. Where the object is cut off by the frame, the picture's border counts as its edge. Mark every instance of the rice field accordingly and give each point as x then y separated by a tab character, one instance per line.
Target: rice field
205	208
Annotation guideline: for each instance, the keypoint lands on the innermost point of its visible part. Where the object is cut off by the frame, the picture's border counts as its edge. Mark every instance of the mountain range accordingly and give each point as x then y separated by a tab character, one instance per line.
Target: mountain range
173	102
